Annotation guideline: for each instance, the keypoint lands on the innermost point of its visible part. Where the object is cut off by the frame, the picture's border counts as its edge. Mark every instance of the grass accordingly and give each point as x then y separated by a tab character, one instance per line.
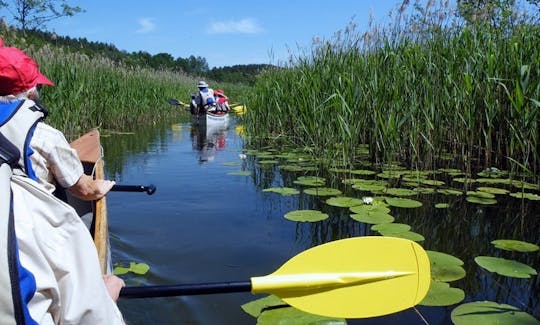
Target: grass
426	86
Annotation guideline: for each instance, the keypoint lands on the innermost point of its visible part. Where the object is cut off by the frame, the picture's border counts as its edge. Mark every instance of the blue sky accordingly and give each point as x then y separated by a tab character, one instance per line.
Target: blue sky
225	33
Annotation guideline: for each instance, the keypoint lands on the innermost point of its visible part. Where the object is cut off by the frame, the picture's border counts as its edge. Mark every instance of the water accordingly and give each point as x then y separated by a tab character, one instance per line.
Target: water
203	225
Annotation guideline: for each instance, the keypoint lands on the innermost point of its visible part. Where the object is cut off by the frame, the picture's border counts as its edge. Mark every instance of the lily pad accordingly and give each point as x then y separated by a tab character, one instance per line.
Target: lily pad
441	294
399	192
282	190
256	307
344	201
492	190
231	163
484	195
480	200
368	208
390	228
293	316
528	196
306	215
515	245
443	259
322	191
291	168
137	268
403	203
447	273
449	191
363	172
432	182
442	206
310	181
505	267
373	218
489	312
410	235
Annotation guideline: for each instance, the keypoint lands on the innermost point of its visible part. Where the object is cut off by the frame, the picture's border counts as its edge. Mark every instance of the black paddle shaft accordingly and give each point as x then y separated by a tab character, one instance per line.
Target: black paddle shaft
150	189
184	289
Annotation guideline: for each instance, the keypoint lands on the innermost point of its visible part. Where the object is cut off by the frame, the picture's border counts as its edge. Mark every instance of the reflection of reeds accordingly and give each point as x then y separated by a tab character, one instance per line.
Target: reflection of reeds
425	86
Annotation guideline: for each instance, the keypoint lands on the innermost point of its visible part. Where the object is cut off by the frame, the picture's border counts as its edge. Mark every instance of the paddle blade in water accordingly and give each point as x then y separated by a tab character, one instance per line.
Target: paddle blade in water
352	278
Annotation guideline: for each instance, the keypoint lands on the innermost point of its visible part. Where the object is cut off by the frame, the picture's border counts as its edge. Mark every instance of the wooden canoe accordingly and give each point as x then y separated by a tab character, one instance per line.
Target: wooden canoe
89	150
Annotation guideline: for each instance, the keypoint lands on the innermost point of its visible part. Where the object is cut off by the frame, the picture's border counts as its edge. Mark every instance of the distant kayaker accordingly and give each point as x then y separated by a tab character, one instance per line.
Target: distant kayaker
222	100
53	159
204	100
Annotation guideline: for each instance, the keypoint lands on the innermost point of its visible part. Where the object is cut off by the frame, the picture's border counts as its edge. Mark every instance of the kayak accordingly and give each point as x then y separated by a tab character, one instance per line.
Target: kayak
93	213
211	120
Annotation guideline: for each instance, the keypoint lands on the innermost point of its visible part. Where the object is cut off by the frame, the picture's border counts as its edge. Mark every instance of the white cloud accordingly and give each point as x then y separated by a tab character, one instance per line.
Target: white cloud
146	25
243	26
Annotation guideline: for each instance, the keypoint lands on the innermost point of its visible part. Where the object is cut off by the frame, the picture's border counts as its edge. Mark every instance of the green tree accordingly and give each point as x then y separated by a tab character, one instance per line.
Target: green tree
32	14
495	13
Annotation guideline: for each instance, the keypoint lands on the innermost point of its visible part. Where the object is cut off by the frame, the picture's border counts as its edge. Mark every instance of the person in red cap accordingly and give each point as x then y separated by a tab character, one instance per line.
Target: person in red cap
222	100
54	161
54	244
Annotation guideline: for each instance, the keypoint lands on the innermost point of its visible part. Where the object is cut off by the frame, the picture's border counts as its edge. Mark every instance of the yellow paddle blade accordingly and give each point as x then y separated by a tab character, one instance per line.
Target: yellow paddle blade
239	109
352	278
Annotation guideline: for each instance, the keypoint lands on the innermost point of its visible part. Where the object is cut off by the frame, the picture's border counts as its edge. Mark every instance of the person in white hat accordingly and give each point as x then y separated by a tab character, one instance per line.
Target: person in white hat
203	101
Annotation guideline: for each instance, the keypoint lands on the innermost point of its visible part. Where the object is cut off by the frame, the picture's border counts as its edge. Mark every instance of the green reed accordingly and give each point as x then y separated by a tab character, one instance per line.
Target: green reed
94	92
423	87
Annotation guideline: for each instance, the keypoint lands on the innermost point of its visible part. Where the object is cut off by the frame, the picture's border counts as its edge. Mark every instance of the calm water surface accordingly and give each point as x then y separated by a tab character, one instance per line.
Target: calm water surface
203	225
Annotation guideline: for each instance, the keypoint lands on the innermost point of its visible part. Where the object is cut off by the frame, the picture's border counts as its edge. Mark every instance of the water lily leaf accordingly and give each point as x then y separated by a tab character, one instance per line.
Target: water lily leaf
529	196
480	200
492	190
137	268
498	181
322	191
443	259
465	180
447	273
399	192
256	307
524	185
442	205
432	182
306	215
282	190
363	172
425	190
368	208
240	173
403	203
449	191
370	187
489	312
391	228
505	267
484	195
310	181
441	294
344	201
293	316
515	245
373	218
410	235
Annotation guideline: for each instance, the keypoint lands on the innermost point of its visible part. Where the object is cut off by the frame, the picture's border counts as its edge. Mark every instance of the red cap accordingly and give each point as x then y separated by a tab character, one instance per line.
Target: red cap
18	72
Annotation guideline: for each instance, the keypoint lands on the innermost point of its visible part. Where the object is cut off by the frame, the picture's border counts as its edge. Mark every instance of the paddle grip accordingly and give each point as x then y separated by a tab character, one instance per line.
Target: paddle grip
150	189
184	289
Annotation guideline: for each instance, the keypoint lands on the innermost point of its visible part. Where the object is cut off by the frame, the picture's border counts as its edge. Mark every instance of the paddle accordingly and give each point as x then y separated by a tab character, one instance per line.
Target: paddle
150	189
175	102
350	278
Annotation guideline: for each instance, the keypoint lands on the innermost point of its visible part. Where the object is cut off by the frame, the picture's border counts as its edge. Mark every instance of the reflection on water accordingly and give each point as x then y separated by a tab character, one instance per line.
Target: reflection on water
208	140
204	225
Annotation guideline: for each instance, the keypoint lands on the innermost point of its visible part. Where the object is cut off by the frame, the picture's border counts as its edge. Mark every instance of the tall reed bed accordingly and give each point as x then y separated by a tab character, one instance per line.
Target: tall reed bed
97	92
424	87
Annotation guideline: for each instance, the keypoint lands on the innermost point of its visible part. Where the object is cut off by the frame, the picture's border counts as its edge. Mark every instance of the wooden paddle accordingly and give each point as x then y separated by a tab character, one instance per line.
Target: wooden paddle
349	278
